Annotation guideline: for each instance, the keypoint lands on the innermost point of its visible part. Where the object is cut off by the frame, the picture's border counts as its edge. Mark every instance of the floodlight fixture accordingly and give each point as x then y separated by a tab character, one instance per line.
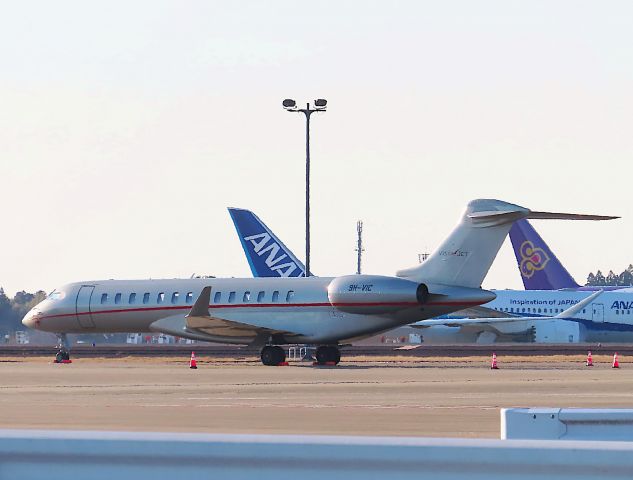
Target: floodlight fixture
289	103
320	103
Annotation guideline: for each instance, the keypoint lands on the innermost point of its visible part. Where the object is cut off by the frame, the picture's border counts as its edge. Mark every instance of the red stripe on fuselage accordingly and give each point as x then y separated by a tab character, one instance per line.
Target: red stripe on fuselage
267	305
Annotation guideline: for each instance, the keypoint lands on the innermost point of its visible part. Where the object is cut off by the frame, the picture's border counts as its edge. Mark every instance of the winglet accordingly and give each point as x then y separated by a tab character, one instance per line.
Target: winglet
201	307
571	311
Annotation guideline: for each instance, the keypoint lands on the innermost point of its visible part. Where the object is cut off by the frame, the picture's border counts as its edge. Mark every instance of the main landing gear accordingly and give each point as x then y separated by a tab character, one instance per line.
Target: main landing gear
325	355
328	355
273	355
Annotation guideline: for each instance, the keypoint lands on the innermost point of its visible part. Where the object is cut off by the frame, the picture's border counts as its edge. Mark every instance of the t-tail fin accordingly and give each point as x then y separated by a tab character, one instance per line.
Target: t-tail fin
266	254
539	267
465	257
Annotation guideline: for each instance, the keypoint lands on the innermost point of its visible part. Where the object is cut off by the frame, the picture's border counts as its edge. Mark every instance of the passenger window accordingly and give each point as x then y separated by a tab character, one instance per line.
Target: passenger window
275	296
160	298
117	298
247	297
217	297
104	298
146	297
232	297
617	312
174	297
132	298
539	310
290	295
584	310
189	297
260	297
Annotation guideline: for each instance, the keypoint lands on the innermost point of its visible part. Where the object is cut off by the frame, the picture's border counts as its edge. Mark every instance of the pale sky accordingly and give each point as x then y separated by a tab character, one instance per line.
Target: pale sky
127	128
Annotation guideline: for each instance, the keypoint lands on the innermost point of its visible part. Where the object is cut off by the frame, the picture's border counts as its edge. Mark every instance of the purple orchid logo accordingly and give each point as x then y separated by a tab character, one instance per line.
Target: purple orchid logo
532	259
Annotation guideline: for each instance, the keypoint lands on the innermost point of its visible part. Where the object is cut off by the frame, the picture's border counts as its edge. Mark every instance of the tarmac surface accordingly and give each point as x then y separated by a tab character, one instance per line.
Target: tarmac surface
365	396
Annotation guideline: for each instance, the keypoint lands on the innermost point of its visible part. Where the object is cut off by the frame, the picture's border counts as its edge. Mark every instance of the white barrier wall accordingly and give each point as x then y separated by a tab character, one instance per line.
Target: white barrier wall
26	455
567	423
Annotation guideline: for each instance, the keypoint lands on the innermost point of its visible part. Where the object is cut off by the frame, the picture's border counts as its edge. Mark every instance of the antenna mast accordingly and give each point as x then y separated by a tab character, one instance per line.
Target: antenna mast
359	245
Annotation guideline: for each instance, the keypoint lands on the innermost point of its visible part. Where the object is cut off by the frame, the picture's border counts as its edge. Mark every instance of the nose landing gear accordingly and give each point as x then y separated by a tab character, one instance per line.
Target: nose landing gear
63	352
62	356
273	355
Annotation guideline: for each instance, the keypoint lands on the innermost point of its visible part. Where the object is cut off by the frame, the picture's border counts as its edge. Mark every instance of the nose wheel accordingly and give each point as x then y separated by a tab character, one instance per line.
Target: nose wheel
273	355
62	356
328	355
63	352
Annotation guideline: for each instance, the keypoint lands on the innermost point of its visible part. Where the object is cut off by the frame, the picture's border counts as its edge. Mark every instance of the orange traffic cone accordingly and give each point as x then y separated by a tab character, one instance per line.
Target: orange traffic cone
589	359
616	364
493	365
192	362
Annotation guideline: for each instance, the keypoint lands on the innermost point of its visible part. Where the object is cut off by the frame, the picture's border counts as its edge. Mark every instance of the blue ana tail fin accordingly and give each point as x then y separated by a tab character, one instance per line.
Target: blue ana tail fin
539	267
266	254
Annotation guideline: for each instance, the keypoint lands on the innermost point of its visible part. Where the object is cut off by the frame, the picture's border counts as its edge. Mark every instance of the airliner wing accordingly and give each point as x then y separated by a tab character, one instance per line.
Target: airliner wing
462	322
481	312
199	324
201	320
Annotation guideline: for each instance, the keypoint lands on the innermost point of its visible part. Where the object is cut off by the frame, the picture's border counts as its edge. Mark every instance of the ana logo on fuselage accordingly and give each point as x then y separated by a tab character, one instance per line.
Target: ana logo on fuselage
262	246
620	305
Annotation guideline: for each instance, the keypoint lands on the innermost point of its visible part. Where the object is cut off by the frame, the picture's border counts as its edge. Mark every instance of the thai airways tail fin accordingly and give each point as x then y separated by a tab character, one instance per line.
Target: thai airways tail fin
538	266
465	257
266	254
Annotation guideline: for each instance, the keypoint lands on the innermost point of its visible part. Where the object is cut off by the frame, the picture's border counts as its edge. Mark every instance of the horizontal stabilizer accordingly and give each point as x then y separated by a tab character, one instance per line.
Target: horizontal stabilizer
568	216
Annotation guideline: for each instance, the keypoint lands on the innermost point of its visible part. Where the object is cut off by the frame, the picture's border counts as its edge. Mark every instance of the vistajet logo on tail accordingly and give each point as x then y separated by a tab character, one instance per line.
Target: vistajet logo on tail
263	244
532	259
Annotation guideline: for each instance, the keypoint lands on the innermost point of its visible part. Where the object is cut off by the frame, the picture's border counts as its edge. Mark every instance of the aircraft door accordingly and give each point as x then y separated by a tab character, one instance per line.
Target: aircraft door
597	310
82	306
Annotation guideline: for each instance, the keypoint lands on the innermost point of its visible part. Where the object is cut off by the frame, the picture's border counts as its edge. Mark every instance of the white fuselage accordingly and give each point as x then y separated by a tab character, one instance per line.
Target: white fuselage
298	305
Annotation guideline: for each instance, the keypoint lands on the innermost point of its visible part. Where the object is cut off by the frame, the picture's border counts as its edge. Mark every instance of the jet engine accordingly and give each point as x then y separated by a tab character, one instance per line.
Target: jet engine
375	294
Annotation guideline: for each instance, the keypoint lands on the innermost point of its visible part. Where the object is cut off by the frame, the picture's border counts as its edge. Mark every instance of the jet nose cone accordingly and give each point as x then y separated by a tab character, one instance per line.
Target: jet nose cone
30	319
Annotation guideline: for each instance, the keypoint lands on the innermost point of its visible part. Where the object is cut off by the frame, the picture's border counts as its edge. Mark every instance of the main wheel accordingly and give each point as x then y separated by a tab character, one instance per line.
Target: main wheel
280	355
328	354
336	355
273	355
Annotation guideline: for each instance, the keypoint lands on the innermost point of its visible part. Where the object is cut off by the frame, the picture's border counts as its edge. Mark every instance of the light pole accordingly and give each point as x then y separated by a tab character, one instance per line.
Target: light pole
319	105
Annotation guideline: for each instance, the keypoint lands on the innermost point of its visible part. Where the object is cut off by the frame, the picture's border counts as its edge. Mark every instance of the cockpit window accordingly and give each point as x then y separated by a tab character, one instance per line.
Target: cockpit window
55	295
